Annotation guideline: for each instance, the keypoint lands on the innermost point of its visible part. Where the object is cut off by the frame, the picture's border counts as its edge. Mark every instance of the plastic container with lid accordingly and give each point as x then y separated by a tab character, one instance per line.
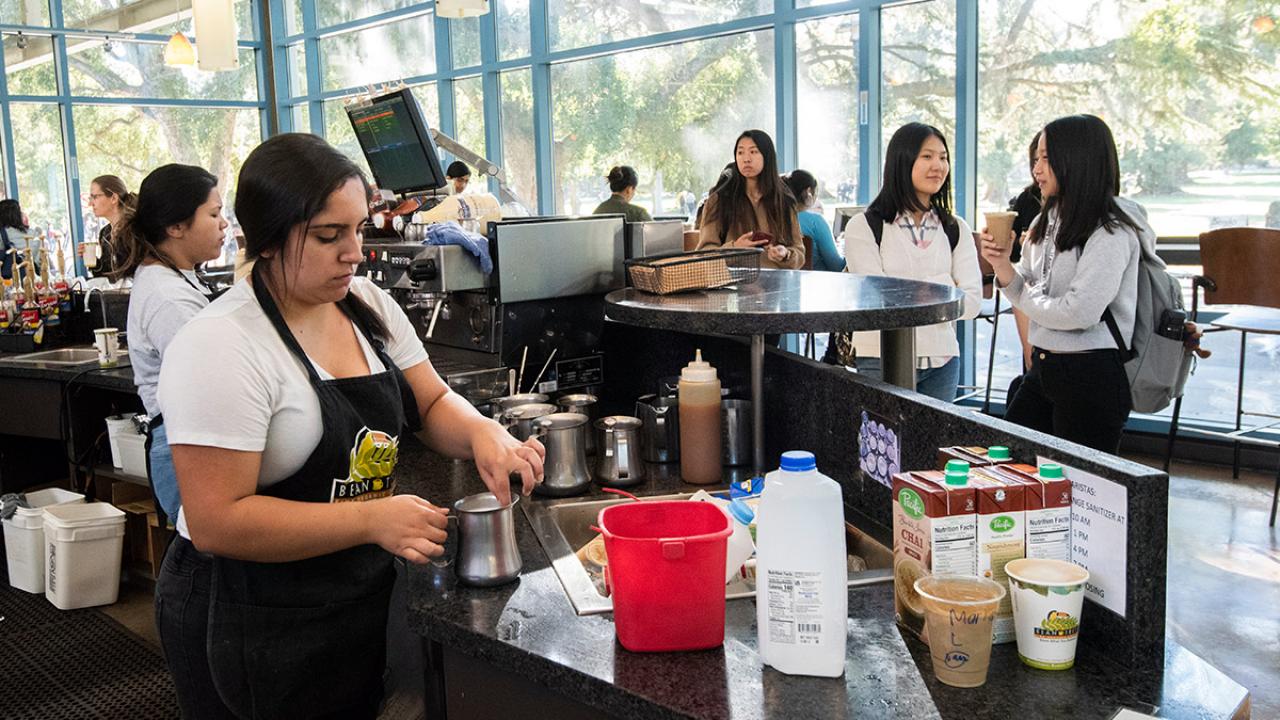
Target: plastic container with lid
801	570
700	440
83	545
24	537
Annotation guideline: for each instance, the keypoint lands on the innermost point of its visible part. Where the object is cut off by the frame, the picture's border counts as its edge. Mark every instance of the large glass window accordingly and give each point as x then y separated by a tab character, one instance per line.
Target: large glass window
428	98
1187	88
333	12
132	69
519	159
468	112
29	65
42	177
827	106
24	12
513	29
464	36
159	17
386	52
577	23
670	112
918	67
337	130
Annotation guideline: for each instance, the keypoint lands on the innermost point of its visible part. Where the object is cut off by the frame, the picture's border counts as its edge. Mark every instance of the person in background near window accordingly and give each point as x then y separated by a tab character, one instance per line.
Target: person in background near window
457	175
109	200
753	207
173	225
622	183
804	186
1027	204
286	400
920	239
13	225
1080	260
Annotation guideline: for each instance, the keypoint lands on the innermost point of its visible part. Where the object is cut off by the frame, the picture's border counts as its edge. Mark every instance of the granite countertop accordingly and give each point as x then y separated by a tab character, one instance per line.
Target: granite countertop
117	378
530	628
792	301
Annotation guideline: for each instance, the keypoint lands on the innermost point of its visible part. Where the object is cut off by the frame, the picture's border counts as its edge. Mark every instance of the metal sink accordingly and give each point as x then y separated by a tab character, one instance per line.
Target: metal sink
563	526
63	356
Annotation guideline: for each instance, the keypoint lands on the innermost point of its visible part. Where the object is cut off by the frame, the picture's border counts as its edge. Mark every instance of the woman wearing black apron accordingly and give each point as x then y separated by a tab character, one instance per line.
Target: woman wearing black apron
285	402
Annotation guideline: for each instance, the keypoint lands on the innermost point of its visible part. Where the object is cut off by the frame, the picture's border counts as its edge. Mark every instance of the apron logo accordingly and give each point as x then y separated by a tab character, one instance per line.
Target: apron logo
373	458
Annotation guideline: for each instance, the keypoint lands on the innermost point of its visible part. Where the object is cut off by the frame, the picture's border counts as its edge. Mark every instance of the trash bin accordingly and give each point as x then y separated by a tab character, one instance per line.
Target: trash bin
24	538
83	545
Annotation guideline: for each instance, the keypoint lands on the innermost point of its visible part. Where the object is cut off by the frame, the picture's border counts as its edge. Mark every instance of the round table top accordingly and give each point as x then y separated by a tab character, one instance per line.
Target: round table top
791	301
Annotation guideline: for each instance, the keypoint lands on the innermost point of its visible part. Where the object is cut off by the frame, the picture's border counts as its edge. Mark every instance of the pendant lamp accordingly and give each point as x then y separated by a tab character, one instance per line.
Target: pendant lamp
461	8
178	50
216	34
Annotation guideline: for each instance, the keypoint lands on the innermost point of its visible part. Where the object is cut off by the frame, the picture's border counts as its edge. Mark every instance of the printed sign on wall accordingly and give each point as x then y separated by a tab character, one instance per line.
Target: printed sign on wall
879	448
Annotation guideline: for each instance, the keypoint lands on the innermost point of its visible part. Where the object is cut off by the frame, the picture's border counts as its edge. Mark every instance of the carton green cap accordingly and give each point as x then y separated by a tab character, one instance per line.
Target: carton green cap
957	472
998	452
1051	471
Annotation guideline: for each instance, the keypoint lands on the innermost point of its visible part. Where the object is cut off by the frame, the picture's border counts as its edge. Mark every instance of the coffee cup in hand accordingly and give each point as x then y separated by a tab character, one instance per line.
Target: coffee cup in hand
1000	227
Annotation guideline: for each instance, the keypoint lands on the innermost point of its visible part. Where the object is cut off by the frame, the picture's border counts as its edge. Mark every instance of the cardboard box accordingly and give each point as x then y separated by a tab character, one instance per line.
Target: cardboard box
1048	526
934	531
1001	537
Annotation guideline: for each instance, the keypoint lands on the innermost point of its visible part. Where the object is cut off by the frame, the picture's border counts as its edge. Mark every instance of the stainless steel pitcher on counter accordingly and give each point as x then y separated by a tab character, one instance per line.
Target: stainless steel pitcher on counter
487	550
565	470
583	404
503	404
519	419
660	417
619	463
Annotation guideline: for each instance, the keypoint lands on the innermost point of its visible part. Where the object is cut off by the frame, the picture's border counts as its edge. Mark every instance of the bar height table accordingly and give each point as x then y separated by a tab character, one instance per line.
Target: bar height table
796	301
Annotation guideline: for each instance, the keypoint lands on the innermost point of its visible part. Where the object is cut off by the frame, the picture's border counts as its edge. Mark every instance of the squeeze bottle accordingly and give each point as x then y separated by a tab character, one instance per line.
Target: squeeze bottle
700	441
802	598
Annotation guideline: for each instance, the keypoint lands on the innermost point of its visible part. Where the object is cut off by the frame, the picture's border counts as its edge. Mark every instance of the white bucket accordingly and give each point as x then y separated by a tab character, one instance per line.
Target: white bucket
24	538
117	426
133	454
83	545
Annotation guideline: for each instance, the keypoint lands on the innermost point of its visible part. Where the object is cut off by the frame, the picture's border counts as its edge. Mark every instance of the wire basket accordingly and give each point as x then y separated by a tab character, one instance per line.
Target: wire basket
700	270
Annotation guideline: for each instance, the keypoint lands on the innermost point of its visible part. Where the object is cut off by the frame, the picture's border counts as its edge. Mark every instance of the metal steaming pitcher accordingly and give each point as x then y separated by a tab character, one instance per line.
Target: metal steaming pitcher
584	404
661	436
487	550
565	470
619	463
519	419
503	404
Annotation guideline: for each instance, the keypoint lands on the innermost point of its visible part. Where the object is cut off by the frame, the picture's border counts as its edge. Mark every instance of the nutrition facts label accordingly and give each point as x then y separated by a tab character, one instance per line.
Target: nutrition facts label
795	607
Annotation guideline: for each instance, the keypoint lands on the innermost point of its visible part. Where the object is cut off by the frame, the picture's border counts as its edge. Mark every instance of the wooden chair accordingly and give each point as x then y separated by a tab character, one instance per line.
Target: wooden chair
1240	267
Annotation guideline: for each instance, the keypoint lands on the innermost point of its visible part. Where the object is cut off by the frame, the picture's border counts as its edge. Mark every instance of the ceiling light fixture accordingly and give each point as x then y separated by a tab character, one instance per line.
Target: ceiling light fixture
216	34
458	9
178	51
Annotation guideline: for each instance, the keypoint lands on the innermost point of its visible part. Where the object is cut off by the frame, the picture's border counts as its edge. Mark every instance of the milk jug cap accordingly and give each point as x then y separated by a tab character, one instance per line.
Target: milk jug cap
998	452
1051	471
699	370
957	472
798	461
741	511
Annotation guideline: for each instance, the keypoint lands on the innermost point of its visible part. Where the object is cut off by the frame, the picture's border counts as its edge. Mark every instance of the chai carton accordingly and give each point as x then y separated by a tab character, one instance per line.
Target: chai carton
974	455
1001	537
934	531
1048	528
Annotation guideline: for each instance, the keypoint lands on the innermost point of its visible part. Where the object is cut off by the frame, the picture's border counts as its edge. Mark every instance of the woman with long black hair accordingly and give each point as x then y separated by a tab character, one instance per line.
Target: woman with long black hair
753	207
1079	265
285	401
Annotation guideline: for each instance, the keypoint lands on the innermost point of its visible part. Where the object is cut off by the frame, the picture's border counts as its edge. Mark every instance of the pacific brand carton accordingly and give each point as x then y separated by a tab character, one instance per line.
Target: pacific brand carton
934	531
1048	528
1001	537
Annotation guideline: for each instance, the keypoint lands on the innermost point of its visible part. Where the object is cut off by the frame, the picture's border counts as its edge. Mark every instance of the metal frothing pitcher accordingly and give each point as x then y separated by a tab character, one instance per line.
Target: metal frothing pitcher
584	404
519	419
503	404
565	470
660	417
487	550
619	463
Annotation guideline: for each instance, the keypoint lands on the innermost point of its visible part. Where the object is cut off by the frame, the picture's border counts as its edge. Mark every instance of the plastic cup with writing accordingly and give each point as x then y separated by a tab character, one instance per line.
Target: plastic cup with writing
958	612
1000	227
1047	596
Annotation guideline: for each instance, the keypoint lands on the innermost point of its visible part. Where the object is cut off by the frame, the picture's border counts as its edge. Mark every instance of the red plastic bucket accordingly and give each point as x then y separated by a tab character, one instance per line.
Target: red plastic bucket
666	572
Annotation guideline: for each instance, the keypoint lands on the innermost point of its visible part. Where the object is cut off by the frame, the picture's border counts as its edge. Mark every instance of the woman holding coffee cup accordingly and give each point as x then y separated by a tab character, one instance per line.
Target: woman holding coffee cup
109	200
909	231
753	207
1080	261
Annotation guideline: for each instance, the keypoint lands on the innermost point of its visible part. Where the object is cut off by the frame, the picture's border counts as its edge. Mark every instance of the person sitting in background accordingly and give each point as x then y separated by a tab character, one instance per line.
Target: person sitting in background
170	227
753	207
109	199
13	225
920	239
457	175
622	183
804	186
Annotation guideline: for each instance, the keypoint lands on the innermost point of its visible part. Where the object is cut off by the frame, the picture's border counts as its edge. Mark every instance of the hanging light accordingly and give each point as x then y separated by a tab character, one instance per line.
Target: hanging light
1264	24
178	50
458	9
216	34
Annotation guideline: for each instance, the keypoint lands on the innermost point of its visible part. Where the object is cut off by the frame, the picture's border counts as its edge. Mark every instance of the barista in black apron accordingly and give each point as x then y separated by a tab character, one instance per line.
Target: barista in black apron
306	639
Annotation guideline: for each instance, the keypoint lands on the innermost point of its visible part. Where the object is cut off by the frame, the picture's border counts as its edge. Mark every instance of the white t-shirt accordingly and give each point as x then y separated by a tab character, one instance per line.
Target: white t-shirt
229	381
160	303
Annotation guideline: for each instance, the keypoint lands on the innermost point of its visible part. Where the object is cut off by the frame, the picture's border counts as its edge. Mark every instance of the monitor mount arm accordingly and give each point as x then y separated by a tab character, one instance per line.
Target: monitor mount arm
482	166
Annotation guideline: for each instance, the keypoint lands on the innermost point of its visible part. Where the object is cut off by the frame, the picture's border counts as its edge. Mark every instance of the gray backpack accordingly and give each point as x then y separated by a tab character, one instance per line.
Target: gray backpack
1158	364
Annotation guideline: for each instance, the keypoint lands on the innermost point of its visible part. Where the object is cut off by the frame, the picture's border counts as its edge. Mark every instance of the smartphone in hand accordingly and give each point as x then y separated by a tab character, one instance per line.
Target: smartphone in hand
757	236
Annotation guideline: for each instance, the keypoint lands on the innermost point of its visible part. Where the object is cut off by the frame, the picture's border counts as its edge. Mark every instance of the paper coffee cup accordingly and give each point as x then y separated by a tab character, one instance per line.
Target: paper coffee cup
958	611
1047	598
107	340
1000	227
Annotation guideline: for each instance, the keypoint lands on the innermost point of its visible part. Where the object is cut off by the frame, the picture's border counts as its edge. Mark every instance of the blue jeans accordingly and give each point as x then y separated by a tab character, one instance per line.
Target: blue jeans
164	480
939	382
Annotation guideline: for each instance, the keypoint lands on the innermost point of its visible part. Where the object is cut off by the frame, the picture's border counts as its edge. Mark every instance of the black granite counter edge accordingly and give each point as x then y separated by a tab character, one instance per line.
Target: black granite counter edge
118	378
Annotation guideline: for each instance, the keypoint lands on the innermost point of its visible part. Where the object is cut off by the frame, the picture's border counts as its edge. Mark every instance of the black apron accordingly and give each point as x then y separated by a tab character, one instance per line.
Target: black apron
307	639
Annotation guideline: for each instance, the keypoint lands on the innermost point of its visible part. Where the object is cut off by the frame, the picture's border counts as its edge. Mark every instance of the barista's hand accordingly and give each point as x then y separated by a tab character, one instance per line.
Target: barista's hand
745	241
498	456
777	253
408	526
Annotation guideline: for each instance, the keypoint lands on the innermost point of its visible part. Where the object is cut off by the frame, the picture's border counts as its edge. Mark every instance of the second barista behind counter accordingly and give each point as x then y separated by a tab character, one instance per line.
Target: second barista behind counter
622	183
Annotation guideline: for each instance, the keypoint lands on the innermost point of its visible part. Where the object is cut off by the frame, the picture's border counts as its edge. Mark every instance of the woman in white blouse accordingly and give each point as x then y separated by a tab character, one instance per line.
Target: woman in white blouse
909	231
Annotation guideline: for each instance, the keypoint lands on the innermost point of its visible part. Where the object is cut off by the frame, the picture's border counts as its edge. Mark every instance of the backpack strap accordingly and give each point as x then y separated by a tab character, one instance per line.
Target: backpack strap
876	222
1114	327
952	230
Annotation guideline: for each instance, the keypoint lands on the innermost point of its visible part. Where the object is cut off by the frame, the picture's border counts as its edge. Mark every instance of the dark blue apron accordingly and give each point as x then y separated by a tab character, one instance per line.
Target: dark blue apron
307	639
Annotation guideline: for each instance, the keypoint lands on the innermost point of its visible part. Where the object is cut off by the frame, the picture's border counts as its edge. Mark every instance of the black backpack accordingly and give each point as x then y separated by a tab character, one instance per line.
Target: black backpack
874	219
